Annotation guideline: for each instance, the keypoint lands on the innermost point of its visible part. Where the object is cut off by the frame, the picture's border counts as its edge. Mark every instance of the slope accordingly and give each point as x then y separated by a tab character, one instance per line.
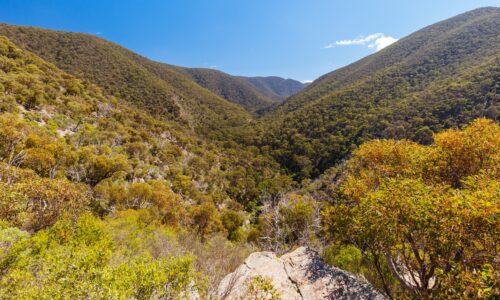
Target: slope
229	87
255	94
274	87
155	87
442	76
436	46
62	128
92	186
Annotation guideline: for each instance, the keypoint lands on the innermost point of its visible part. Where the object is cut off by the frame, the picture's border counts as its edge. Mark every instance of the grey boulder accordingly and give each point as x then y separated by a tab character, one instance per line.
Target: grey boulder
300	274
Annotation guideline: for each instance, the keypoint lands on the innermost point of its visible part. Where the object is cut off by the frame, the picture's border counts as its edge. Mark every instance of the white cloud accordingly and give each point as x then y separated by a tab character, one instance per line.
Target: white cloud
375	40
307	81
382	42
360	41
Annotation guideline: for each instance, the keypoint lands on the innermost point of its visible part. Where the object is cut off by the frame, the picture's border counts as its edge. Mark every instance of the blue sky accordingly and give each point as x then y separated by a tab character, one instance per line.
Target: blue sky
292	39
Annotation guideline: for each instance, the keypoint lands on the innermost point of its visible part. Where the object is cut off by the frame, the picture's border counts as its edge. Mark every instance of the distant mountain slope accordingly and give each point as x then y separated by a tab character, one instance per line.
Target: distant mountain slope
155	87
229	87
439	45
253	93
274	87
442	76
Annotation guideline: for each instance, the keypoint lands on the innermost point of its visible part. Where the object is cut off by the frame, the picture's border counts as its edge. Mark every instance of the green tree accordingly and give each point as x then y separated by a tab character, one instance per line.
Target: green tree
429	212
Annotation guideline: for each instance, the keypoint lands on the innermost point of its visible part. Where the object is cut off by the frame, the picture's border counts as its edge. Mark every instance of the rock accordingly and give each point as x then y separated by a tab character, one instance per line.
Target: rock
301	274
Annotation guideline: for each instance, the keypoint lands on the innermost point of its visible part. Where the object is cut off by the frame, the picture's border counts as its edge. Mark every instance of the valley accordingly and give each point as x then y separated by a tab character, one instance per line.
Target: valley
126	178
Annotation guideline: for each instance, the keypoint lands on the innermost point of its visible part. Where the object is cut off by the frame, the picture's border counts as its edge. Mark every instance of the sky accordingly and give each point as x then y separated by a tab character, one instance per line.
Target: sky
293	39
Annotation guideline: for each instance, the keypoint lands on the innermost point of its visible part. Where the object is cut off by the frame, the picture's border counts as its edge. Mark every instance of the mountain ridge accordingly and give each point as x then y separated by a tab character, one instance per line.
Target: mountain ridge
276	87
146	79
376	61
439	77
253	93
229	87
153	86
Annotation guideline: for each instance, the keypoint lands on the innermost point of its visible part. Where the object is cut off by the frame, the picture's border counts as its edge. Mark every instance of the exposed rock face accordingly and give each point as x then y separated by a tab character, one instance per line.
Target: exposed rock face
301	274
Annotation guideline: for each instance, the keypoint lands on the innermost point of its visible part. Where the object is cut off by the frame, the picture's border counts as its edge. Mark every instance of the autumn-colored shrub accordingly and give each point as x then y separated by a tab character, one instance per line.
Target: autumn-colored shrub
429	212
40	202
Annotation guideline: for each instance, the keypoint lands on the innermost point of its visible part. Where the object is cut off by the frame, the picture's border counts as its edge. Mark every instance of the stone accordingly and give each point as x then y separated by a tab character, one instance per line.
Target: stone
301	274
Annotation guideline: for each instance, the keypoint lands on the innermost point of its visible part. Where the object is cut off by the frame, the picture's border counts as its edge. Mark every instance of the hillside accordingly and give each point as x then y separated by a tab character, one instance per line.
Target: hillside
439	45
229	87
66	128
73	157
274	87
253	93
442	76
125	178
155	87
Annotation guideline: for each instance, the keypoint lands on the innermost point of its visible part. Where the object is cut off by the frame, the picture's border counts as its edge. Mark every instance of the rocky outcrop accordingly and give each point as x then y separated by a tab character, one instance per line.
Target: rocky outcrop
301	274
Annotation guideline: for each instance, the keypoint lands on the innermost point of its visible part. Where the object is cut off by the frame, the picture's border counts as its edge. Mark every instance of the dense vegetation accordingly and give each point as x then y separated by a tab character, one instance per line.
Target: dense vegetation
68	150
122	178
424	217
274	87
255	94
165	90
440	77
229	87
417	221
158	88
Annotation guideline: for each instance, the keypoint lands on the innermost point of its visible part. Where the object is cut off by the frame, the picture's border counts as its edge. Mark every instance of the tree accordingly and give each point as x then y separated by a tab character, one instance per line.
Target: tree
232	221
429	212
46	200
293	220
205	218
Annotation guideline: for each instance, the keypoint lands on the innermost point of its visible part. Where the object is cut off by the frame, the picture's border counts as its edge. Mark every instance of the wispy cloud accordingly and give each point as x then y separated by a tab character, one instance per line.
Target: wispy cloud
377	41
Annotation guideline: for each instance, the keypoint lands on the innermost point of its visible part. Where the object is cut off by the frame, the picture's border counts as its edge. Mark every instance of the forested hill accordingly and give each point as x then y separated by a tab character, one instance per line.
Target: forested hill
202	98
229	87
439	45
442	76
70	152
253	93
62	127
158	88
274	87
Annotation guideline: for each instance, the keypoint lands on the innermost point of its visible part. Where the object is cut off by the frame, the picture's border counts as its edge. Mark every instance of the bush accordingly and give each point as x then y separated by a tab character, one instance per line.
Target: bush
232	222
40	202
428	212
260	288
81	260
347	257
